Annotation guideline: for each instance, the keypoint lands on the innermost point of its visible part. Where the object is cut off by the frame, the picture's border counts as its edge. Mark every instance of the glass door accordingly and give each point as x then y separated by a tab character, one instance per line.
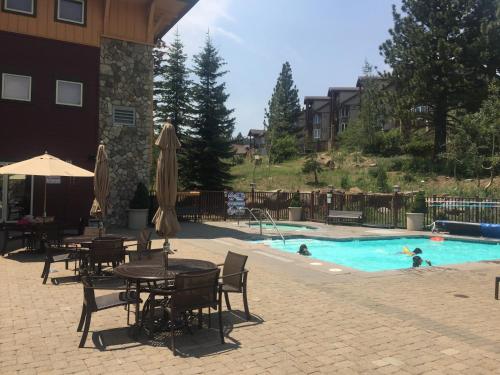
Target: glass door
18	197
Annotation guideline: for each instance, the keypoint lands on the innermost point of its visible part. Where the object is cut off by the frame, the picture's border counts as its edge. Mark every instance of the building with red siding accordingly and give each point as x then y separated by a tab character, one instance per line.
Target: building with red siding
75	73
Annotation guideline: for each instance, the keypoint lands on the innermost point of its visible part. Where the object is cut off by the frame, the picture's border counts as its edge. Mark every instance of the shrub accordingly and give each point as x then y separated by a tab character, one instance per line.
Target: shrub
345	182
396	164
390	143
141	197
382	180
418	147
419	205
407	177
295	201
283	149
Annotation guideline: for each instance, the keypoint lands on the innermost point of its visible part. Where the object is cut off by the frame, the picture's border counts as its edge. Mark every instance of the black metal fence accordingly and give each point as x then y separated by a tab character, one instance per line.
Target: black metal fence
380	210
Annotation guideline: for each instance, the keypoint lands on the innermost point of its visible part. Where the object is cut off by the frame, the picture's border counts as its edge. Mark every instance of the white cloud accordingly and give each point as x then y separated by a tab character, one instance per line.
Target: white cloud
206	16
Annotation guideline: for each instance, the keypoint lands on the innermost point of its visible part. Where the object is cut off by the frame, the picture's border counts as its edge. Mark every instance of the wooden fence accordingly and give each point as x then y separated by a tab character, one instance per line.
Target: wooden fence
379	210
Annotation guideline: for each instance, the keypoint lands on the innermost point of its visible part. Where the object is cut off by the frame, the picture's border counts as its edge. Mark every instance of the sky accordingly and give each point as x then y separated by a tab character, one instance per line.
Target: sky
325	41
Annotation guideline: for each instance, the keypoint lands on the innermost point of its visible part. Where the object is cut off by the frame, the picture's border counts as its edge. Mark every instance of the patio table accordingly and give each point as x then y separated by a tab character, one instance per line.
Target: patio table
151	271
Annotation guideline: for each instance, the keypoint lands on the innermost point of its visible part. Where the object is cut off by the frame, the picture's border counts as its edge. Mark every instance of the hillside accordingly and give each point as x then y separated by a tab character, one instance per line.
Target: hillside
354	171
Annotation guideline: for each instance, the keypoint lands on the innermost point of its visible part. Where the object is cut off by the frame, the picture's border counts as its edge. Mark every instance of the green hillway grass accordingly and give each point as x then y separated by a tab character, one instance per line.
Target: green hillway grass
288	176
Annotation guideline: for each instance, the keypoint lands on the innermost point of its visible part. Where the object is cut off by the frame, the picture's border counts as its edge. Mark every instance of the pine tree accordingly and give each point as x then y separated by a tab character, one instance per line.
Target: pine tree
442	54
158	84
283	108
173	88
209	146
312	165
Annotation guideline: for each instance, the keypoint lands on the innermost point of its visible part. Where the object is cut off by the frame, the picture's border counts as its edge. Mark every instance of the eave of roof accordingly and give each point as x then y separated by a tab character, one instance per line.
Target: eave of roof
166	28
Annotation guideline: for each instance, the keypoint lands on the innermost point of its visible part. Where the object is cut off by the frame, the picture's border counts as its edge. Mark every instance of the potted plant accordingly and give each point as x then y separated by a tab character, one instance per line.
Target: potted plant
417	211
295	208
139	208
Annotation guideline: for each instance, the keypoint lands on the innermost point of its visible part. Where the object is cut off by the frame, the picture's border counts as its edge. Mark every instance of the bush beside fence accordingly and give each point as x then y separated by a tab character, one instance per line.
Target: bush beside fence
379	210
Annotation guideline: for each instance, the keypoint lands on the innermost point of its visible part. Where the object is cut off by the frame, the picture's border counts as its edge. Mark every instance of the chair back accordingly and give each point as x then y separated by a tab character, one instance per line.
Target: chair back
144	240
88	293
51	232
194	290
109	249
234	265
151	256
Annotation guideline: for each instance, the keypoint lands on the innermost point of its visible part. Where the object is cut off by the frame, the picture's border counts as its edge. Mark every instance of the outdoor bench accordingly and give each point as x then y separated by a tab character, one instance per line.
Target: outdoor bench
188	213
344	216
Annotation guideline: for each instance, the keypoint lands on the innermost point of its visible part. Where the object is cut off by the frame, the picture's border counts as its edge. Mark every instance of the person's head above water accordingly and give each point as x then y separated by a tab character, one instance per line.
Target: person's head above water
417	251
303	247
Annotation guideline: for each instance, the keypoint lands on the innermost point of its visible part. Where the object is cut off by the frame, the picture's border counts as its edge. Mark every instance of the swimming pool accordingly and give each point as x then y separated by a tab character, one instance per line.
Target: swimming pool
283	227
372	255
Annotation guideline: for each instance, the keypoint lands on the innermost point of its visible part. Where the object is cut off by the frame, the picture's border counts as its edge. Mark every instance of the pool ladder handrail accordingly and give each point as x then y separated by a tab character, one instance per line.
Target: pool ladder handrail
268	216
266	212
250	219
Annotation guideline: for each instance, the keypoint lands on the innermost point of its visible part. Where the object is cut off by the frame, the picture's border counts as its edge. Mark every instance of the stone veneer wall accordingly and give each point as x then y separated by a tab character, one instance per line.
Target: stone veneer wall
126	79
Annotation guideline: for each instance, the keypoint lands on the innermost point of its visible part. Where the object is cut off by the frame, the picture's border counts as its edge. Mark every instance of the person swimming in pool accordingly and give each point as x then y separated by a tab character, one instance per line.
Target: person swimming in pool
303	250
417	259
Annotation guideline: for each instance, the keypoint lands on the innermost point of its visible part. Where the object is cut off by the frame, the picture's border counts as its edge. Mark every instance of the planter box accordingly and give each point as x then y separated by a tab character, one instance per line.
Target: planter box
137	218
295	213
415	221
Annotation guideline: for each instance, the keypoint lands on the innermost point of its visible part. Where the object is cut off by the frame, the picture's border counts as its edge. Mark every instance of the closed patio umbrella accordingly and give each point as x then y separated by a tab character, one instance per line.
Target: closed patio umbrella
101	184
48	166
165	218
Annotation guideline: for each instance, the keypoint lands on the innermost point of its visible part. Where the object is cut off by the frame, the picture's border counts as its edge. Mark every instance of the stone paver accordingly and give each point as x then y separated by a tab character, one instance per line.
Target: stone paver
307	320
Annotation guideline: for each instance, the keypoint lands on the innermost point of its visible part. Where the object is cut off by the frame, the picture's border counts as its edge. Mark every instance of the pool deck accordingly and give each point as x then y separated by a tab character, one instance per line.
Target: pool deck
306	318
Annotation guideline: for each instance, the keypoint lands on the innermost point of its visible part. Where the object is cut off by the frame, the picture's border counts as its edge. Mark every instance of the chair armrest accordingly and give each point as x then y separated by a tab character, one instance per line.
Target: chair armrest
234	274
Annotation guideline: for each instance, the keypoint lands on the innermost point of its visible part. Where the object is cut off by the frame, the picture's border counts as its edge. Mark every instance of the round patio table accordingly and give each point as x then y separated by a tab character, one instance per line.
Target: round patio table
83	239
151	270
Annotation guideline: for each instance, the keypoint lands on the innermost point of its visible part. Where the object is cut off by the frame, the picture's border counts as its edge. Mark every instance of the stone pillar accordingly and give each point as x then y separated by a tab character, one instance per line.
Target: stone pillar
126	80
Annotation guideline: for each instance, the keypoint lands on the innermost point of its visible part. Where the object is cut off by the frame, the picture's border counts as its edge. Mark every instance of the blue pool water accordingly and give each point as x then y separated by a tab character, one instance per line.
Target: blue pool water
385	254
283	227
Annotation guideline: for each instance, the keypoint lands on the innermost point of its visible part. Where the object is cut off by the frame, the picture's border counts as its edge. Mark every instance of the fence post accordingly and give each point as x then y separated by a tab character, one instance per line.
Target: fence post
394	211
434	208
311	214
478	210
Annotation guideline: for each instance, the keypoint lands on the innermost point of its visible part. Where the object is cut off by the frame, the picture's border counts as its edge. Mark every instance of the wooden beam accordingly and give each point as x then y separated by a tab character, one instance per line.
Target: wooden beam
161	21
107	6
151	14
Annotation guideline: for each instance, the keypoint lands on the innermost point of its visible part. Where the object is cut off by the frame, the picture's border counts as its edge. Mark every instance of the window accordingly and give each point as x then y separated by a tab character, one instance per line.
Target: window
123	116
20	6
342	127
71	11
344	111
16	87
316	133
316	119
69	93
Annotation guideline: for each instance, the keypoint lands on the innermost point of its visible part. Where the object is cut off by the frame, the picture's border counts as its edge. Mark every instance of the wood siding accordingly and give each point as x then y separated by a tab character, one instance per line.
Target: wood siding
30	128
44	25
137	21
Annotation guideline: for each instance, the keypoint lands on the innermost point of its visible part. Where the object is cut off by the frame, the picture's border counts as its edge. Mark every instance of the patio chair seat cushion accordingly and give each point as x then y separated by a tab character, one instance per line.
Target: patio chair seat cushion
230	288
115	299
62	257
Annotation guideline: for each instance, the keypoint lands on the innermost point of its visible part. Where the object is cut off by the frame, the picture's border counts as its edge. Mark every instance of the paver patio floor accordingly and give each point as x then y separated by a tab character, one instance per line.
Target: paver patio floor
306	320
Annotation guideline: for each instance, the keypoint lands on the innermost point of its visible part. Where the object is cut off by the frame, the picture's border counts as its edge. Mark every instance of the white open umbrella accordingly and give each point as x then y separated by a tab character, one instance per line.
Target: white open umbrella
48	166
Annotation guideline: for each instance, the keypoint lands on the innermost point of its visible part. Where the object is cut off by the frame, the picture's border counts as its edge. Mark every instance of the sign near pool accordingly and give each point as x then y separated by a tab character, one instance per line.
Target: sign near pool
235	203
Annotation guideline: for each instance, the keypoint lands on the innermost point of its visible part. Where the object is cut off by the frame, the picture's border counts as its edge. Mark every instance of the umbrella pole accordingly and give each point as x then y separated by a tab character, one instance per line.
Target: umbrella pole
45	199
166	251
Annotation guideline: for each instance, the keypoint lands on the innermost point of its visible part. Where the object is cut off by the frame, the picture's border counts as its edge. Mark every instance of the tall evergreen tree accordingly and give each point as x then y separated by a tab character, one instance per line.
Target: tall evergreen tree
173	87
209	146
442	54
158	83
283	110
284	106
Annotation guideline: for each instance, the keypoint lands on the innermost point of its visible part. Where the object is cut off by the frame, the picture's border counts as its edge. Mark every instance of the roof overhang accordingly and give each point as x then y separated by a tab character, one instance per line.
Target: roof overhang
168	13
